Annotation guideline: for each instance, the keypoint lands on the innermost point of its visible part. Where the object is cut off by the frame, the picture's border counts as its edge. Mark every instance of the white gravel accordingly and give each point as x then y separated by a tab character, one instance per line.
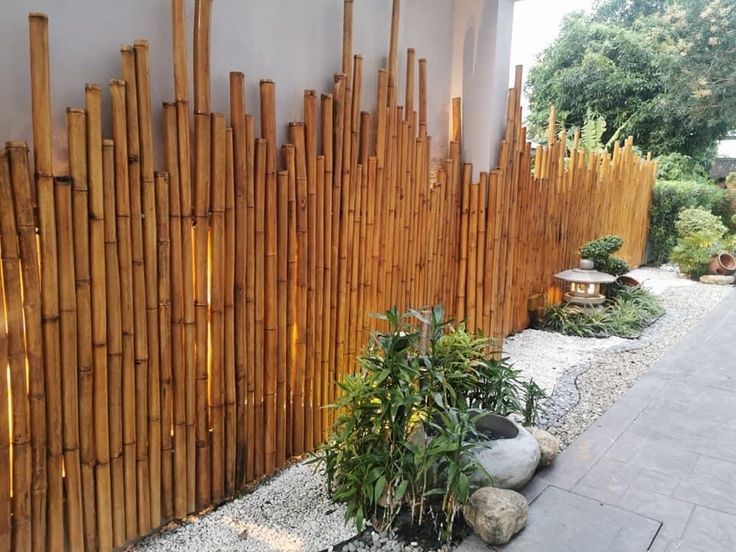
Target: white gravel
585	376
291	512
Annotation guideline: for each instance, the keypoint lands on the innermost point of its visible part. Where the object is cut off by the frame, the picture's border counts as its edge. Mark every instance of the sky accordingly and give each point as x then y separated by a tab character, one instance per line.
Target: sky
536	24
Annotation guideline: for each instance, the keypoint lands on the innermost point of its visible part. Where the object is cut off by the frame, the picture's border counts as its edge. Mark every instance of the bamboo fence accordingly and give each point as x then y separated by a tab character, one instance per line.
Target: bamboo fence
172	336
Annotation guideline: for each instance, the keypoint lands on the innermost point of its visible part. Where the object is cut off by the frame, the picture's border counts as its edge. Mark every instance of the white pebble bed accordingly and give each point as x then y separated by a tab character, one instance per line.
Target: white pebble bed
289	513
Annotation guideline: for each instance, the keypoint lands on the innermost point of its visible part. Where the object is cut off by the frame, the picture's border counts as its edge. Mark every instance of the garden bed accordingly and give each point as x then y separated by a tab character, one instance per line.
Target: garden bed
583	377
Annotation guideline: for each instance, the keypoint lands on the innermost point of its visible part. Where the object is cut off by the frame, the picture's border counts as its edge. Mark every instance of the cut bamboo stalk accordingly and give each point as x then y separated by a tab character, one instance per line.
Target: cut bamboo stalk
296	136
250	294
81	314
98	278
47	500
14	357
69	343
140	338
150	257
282	259
201	55
270	325
289	161
409	98
125	262
179	50
237	120
310	134
269	346
321	382
114	338
231	419
6	501
423	92
163	235
201	234
260	248
393	51
178	352
347	36
217	304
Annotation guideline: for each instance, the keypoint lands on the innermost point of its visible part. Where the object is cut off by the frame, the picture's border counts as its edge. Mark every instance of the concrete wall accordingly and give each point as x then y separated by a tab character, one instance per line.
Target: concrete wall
296	43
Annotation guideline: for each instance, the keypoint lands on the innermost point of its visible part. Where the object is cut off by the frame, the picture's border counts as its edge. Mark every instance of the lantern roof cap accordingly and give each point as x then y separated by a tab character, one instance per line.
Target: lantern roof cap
585	273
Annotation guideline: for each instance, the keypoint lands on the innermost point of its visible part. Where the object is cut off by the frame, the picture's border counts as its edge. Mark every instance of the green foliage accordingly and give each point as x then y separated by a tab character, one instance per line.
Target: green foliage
662	71
700	235
676	166
406	421
625	314
731	178
601	251
669	199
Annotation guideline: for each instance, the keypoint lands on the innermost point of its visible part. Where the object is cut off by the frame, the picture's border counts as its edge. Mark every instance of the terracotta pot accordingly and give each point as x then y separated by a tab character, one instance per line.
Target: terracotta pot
722	264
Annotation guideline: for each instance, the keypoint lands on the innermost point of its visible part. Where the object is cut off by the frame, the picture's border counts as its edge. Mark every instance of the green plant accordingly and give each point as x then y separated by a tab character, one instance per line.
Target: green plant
628	311
669	198
700	236
601	251
405	422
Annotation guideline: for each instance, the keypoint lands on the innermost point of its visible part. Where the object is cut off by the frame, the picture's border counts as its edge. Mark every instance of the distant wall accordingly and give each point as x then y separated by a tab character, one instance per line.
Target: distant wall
296	43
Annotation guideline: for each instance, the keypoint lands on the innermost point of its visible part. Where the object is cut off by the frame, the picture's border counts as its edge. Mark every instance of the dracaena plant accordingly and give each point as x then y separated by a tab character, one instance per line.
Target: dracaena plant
405	421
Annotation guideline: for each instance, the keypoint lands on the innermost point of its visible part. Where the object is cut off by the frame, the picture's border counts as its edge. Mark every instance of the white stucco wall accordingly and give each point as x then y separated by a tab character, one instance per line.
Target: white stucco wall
296	43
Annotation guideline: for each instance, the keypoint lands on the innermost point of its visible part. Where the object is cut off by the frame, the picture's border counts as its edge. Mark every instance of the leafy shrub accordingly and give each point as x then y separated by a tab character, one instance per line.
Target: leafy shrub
677	166
406	421
671	197
601	251
700	236
630	310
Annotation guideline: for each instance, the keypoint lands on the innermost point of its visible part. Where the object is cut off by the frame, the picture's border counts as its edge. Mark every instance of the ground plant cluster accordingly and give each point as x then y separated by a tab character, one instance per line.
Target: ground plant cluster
405	421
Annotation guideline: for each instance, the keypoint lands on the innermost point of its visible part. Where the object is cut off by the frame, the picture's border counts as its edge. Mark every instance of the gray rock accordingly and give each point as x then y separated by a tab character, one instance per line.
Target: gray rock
717	280
549	445
496	514
507	463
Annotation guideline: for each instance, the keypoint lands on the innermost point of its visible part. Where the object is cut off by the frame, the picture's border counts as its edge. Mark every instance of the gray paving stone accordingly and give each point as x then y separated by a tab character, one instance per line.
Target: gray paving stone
711	531
712	483
673	513
562	521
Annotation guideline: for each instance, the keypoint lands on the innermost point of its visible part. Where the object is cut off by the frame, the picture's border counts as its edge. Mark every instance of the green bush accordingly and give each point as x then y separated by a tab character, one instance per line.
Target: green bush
601	251
628	311
677	166
700	235
671	197
406	421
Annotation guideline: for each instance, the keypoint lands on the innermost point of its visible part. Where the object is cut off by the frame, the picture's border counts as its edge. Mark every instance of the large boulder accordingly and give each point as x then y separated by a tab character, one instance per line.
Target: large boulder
496	514
507	461
549	445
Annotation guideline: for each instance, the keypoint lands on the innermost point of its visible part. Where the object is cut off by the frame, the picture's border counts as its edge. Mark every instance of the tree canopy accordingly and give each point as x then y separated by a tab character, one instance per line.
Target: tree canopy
663	71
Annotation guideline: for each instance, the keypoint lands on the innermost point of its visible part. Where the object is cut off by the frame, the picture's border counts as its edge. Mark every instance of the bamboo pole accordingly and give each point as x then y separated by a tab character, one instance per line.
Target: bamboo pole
47	501
201	234
80	314
327	136
217	304
250	294
282	333
163	236
322	382
237	120
269	349
231	419
125	262
14	353
114	338
140	334
296	135
260	248
6	501
98	292
150	256
178	352
287	154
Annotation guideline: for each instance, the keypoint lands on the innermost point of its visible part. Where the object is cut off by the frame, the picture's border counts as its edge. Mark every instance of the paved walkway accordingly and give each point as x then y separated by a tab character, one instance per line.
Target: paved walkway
658	470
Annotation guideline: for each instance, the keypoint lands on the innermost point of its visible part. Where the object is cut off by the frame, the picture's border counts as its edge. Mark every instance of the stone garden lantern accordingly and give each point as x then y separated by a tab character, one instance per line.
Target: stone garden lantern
585	284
